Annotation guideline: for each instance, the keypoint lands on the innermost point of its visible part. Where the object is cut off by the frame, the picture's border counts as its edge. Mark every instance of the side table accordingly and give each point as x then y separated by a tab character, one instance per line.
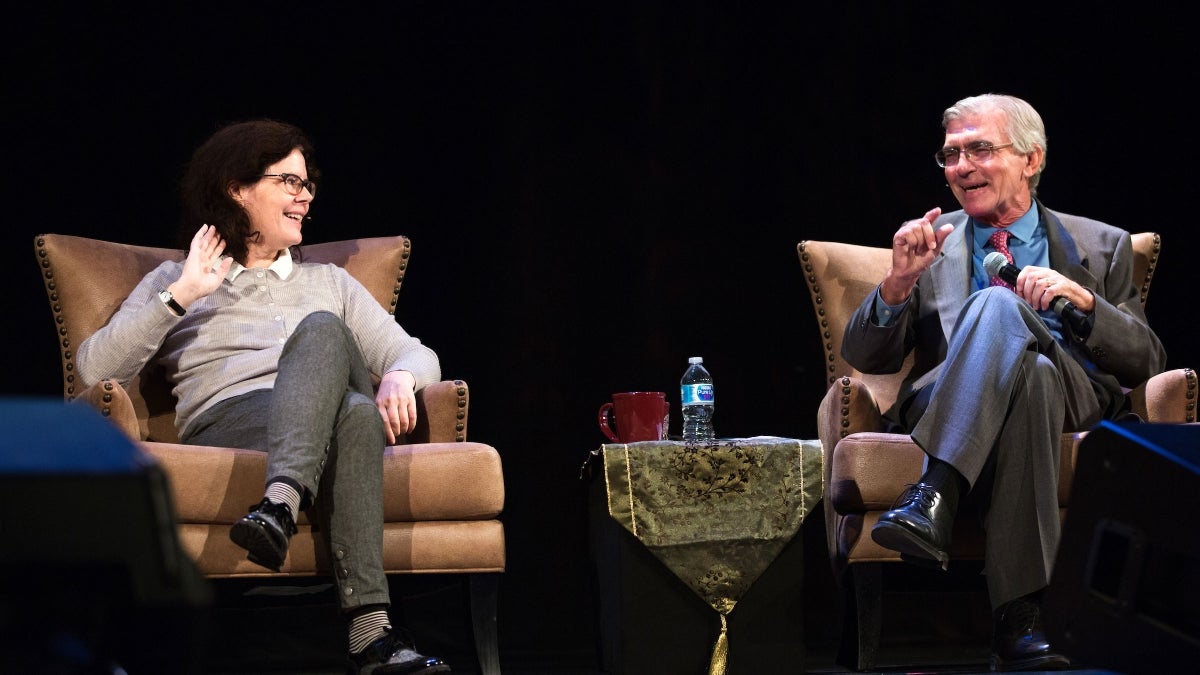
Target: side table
698	556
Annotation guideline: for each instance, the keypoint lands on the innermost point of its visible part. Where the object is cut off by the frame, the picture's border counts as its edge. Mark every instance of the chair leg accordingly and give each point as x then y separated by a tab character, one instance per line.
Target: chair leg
863	617
484	595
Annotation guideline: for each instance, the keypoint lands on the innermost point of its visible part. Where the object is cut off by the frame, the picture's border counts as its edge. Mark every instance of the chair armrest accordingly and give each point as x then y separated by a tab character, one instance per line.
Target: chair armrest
848	408
113	402
1167	398
441	413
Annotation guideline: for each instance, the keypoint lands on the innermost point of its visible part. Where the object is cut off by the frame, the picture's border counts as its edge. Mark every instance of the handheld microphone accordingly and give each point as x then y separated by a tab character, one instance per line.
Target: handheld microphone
996	265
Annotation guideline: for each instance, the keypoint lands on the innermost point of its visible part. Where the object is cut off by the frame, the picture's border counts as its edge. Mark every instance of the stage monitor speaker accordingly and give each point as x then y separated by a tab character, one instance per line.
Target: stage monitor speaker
92	577
1125	593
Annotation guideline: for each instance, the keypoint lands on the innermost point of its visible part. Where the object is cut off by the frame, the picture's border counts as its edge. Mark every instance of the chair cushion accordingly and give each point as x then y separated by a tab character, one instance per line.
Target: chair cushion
432	547
871	469
431	481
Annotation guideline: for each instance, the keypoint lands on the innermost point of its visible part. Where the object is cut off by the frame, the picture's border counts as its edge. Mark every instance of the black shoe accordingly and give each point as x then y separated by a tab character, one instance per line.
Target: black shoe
394	654
265	532
1019	642
918	526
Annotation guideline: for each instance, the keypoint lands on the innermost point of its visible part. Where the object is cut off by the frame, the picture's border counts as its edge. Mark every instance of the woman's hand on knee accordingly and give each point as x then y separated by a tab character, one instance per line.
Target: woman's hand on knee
397	403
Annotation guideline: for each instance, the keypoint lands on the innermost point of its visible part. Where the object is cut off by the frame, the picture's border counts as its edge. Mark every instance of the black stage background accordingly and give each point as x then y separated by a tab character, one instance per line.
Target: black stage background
595	191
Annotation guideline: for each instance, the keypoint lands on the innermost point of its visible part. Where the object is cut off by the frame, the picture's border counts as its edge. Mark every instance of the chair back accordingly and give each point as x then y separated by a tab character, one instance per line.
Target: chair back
87	280
840	276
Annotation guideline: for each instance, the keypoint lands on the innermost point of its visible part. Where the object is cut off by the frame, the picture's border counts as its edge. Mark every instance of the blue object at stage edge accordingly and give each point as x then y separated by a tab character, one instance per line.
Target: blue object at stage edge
51	436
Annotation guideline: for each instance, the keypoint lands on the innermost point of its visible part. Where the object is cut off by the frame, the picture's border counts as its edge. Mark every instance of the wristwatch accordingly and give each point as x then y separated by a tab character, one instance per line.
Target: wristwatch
169	301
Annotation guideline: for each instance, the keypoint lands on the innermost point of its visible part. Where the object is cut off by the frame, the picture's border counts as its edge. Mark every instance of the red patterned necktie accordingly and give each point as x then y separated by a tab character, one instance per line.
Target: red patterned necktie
999	241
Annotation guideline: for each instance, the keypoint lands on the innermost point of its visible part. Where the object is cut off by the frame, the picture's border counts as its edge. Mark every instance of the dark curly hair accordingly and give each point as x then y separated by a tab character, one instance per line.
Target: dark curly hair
233	157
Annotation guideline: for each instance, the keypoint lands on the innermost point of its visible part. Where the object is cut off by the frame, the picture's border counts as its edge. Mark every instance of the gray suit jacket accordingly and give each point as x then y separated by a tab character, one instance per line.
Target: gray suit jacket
1121	349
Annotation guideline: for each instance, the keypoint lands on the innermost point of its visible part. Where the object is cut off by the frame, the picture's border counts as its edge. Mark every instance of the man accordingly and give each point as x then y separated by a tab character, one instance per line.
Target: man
1000	371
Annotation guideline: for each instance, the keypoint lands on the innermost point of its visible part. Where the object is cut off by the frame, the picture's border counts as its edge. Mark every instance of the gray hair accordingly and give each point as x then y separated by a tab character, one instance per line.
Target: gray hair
1024	125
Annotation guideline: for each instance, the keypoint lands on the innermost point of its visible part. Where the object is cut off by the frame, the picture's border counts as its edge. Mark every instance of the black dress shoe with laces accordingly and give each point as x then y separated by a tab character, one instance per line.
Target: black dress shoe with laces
265	533
394	654
1019	642
918	526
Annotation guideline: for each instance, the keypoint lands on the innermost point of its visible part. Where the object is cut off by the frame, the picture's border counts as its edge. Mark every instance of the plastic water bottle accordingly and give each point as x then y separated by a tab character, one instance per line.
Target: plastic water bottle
696	402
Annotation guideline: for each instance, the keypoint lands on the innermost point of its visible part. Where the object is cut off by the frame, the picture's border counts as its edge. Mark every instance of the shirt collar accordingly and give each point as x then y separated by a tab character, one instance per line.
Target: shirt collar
1021	230
282	267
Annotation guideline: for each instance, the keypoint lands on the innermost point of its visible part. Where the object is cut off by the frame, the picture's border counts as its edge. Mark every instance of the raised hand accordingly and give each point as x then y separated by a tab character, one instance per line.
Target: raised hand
203	269
914	248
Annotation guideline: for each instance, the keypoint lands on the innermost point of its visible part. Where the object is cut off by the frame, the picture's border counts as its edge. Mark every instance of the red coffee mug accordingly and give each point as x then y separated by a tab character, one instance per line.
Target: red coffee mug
639	416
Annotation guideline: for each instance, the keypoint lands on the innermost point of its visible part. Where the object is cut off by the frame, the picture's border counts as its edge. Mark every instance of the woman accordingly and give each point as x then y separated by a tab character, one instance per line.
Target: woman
269	353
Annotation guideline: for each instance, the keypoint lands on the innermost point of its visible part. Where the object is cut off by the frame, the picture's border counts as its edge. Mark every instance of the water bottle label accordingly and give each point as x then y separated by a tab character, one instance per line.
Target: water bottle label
692	394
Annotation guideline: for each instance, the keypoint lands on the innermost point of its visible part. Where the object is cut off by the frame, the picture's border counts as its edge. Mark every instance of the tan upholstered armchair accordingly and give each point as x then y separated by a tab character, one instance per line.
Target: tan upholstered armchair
865	470
442	494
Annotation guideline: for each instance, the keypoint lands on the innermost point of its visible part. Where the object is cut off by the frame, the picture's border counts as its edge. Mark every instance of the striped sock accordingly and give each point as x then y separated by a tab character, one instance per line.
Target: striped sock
282	493
367	628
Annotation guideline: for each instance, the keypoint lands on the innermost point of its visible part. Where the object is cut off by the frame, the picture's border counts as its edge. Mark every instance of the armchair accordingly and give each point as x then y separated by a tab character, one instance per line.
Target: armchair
442	494
865	469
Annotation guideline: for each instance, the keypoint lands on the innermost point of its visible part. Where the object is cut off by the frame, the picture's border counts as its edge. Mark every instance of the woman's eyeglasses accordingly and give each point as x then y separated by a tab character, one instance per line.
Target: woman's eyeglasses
293	183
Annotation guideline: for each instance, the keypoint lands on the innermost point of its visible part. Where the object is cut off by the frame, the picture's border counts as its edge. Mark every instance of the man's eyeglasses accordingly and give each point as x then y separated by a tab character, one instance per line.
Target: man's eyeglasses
979	151
293	183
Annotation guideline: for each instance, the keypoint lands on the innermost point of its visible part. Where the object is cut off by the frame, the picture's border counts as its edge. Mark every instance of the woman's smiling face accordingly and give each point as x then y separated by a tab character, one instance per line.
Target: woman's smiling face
275	214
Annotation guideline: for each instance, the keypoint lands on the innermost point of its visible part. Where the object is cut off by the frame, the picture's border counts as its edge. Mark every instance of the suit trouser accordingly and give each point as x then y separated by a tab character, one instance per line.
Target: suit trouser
995	410
323	434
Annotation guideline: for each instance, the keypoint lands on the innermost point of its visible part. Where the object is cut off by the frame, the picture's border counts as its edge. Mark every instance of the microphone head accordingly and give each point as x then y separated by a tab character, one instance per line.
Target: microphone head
993	263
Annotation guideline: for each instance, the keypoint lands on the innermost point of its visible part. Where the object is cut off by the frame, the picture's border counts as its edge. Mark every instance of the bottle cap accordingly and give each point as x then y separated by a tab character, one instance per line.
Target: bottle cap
695	359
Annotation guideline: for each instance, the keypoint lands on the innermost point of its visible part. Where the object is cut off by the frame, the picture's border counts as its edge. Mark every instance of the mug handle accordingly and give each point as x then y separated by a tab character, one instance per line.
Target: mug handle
603	419
666	419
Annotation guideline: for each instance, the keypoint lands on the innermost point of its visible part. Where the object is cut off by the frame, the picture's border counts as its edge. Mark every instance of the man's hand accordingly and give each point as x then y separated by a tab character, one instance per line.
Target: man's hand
397	403
914	248
1039	286
203	270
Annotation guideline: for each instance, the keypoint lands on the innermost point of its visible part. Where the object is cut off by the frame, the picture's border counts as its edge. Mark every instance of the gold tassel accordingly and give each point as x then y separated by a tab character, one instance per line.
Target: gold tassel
720	651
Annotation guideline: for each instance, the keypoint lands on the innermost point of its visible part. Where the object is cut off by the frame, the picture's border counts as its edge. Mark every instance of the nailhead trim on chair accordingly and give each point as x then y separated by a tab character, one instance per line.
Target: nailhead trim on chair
818	303
1152	263
68	356
460	427
106	410
402	268
845	407
1190	405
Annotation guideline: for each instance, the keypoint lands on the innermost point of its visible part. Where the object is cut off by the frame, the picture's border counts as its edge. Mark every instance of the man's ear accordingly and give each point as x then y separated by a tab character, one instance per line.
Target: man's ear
1033	160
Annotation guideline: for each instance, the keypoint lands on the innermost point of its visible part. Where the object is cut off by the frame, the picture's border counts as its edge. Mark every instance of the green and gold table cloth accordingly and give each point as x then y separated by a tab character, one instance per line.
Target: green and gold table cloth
716	514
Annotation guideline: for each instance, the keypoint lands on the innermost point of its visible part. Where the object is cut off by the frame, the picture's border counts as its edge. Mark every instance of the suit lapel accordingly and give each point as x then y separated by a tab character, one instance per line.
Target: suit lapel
950	277
1067	256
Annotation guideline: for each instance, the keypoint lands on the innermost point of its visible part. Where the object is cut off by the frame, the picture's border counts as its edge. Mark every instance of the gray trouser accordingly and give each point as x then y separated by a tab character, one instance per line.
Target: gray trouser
995	411
324	435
